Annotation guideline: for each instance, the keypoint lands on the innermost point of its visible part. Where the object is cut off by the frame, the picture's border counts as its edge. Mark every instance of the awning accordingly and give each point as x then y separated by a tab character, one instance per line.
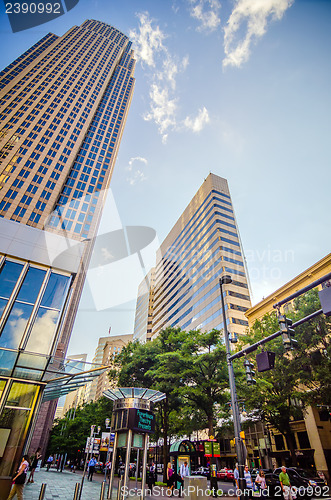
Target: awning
61	386
134	392
184	446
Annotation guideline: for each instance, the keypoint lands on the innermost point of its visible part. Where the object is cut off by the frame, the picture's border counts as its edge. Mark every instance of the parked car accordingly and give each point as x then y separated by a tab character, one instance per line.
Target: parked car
273	485
308	482
229	475
99	467
222	474
132	469
201	471
255	471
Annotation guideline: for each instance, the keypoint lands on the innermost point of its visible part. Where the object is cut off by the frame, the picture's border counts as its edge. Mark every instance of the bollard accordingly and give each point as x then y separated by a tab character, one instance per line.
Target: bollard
102	492
42	491
119	488
76	494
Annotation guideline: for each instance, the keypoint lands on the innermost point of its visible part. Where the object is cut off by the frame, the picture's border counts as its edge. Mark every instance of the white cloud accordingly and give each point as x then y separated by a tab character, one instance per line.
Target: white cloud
197	124
256	14
164	69
136	174
148	41
207	13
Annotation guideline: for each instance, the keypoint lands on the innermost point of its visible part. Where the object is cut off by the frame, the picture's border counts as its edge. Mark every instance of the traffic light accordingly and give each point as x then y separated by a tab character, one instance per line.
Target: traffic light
285	325
249	372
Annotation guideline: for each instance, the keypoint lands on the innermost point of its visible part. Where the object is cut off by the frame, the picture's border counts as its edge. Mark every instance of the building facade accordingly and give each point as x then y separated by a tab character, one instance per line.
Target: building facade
143	321
63	106
112	348
312	433
203	245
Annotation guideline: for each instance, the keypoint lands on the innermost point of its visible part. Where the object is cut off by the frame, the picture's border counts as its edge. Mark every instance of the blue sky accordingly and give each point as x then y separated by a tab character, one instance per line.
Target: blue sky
240	88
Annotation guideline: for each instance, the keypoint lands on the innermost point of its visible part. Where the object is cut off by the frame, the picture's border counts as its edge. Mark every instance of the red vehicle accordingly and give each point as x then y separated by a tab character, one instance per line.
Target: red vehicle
221	474
229	475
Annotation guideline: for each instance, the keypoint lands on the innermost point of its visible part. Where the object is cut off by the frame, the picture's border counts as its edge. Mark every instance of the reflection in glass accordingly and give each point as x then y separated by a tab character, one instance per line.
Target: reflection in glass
3	303
13	425
32	361
27	373
15	325
43	330
9	275
21	395
55	292
31	285
7	361
2	386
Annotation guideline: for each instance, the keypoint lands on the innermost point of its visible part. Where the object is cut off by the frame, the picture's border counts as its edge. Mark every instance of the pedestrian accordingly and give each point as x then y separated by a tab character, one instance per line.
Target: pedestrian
170	478
19	479
49	462
285	484
249	482
91	468
184	471
151	476
260	481
35	459
236	478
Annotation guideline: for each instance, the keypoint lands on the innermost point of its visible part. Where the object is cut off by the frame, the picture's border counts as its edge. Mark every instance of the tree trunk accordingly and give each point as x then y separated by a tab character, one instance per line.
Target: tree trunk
210	425
289	437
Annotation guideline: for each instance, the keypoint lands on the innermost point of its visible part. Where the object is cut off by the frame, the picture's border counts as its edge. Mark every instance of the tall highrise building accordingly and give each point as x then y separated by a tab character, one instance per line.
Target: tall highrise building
144	308
63	105
203	245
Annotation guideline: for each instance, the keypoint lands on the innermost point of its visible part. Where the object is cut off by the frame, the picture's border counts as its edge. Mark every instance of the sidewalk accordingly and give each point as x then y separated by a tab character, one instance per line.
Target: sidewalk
61	486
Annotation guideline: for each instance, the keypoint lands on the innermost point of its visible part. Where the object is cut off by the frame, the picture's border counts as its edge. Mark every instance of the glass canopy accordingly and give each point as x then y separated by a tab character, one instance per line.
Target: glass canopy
134	392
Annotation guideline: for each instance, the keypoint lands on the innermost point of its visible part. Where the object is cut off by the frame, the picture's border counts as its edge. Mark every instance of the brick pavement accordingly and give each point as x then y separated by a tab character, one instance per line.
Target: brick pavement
61	486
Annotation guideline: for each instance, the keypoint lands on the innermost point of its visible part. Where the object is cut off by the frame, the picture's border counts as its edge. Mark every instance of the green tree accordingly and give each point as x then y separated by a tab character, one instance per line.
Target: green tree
299	376
69	434
190	368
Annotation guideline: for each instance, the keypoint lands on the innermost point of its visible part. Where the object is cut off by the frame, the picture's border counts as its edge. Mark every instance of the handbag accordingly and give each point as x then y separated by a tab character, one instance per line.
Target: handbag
21	478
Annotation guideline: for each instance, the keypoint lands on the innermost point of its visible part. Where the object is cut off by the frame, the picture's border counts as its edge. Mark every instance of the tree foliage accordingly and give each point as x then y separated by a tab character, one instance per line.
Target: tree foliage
189	367
69	434
301	376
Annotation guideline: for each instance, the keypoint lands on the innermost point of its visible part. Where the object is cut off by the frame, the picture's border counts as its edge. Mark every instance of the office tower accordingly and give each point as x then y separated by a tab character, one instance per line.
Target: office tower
144	308
113	346
63	105
203	245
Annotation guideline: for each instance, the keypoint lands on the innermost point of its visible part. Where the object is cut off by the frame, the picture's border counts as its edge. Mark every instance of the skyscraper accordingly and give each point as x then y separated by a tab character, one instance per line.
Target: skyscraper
203	245
63	105
144	308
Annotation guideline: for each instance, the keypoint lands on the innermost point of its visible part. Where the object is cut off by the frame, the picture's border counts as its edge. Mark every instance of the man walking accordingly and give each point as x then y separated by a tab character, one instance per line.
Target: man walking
91	468
184	471
285	484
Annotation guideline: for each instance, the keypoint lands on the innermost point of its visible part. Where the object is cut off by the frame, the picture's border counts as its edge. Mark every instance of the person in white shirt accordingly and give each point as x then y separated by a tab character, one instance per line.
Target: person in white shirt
184	471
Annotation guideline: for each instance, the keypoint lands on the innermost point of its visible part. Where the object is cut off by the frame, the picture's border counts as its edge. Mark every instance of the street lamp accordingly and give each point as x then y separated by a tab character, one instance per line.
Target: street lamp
226	280
107	424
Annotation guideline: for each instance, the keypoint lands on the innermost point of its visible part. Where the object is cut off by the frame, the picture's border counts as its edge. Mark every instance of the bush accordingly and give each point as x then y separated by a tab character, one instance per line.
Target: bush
159	483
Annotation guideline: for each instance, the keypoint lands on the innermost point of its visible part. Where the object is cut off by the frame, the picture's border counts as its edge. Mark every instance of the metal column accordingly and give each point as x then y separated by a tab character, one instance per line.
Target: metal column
143	481
111	479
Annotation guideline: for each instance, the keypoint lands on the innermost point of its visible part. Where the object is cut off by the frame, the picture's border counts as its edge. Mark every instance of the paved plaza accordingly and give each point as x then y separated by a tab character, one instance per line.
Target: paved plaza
61	486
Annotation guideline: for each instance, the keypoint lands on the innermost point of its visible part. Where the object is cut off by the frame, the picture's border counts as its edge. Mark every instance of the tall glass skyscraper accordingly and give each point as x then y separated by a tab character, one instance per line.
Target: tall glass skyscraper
63	106
203	245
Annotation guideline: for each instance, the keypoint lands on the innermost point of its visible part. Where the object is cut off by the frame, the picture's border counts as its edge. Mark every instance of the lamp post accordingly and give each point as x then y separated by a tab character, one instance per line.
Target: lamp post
226	280
107	422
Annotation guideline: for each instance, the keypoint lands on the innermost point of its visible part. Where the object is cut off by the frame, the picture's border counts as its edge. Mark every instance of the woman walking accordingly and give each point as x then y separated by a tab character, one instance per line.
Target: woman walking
170	478
260	481
35	460
19	479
